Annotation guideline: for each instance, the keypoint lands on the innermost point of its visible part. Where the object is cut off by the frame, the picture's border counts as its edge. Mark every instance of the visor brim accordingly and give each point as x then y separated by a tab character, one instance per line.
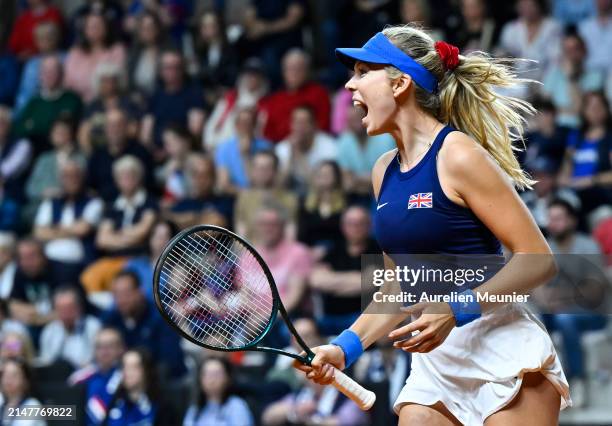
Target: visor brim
348	56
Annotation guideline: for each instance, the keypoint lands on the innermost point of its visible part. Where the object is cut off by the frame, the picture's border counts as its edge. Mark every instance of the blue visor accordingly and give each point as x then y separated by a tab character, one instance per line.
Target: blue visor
379	50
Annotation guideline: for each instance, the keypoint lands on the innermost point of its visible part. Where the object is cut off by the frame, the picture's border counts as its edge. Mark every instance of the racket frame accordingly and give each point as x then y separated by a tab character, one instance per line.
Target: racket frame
277	304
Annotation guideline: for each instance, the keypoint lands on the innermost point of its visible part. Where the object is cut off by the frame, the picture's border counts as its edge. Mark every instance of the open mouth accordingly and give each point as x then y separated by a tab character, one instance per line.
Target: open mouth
360	106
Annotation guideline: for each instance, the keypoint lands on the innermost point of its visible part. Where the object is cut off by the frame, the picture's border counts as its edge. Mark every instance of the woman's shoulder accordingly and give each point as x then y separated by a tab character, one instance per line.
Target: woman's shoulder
380	167
460	150
383	161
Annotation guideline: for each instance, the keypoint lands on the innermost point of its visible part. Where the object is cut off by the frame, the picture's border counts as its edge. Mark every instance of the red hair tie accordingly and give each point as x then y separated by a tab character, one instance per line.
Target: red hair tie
448	53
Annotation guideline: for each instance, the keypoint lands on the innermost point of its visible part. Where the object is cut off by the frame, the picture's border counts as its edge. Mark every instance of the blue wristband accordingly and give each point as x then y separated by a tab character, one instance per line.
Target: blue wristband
350	343
466	310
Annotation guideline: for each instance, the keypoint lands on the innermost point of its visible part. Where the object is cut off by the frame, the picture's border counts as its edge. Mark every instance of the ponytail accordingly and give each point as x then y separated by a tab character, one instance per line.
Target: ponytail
467	99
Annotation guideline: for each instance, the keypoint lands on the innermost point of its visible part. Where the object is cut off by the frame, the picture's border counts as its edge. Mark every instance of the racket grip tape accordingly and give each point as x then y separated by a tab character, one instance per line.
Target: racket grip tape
353	390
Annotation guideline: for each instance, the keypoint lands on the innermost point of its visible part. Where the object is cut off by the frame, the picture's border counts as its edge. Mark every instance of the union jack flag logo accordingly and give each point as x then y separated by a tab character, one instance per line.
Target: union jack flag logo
422	200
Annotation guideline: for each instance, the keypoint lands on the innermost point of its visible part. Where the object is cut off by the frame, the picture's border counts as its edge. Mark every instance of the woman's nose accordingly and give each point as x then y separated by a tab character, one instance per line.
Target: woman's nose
350	85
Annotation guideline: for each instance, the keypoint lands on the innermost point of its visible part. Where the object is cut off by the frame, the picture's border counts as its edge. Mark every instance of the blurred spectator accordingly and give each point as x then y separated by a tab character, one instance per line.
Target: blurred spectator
109	88
477	32
146	53
97	46
545	139
173	14
17	391
125	226
117	144
233	155
587	164
171	175
8	268
217	402
111	10
337	278
22	41
215	59
67	222
53	101
571	12
202	205
7	324
273	27
357	153
138	399
298	90
128	220
9	77
563	236
264	188
101	378
532	35
290	261
320	210
544	172
251	86
359	19
71	336
31	298
16	344
15	157
305	147
597	33
44	181
419	12
143	266
566	84
47	36
175	101
141	324
558	299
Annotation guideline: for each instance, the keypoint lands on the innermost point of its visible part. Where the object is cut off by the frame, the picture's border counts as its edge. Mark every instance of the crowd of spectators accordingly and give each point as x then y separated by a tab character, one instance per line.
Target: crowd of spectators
125	121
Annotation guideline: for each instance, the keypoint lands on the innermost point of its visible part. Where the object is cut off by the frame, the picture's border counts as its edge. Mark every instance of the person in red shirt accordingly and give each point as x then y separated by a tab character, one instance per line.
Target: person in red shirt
21	42
298	91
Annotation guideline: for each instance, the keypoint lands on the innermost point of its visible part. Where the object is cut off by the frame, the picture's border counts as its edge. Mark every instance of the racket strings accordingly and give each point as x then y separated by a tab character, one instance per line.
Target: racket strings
217	327
215	290
209	302
253	264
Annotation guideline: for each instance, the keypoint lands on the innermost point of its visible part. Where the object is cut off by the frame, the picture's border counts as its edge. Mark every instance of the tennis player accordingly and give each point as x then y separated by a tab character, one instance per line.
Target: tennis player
479	362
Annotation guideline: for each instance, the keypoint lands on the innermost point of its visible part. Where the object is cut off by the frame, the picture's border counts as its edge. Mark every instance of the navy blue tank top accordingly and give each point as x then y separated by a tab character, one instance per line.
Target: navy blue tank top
415	216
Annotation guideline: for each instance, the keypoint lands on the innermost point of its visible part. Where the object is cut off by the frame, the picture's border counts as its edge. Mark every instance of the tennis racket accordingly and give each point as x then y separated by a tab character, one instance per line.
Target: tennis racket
215	289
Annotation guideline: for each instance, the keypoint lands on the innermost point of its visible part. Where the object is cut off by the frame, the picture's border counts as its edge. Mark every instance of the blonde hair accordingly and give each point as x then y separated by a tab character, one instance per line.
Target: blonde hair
467	99
128	163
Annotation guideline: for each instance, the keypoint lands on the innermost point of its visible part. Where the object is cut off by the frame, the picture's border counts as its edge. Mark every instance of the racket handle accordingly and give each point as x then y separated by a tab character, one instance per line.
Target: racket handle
353	390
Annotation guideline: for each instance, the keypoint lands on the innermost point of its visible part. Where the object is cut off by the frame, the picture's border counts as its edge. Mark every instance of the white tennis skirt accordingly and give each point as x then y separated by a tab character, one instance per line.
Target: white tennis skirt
479	368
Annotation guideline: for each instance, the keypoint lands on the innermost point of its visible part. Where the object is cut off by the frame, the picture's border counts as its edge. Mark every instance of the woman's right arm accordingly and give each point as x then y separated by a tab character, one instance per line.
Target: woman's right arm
370	327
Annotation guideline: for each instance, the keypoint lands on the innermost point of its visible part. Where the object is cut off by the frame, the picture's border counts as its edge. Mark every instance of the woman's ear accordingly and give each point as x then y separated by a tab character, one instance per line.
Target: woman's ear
401	85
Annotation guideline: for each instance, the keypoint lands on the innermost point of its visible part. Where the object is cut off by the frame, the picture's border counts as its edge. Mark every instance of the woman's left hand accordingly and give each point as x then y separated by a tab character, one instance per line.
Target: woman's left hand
434	324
